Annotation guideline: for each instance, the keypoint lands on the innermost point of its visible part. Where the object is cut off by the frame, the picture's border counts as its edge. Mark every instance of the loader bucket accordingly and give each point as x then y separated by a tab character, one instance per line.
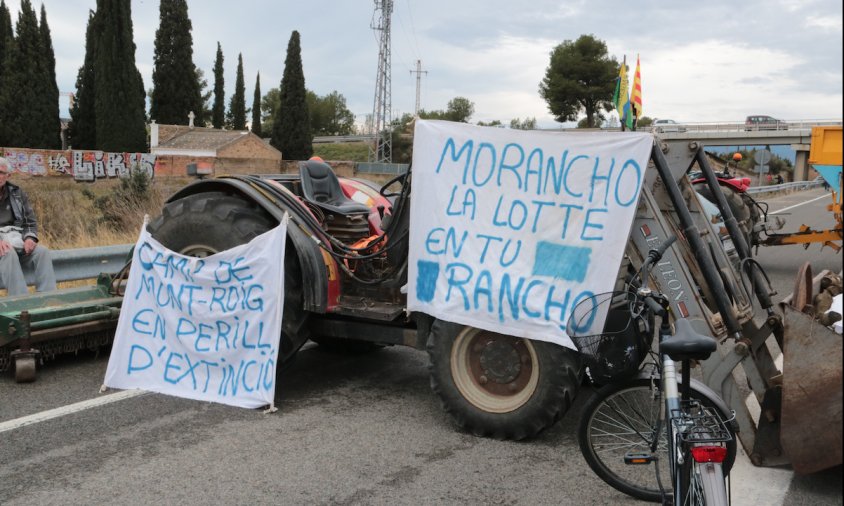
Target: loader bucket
811	417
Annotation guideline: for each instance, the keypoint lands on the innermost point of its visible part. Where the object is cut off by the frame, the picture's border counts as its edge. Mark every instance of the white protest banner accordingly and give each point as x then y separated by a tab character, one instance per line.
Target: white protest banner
510	229
202	328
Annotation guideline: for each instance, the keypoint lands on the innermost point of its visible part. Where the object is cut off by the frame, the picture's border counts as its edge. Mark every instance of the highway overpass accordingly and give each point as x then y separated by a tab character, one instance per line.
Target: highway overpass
797	134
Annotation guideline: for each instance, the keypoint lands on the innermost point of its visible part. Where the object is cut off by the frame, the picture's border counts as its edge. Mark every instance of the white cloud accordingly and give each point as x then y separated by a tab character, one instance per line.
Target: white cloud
831	23
717	61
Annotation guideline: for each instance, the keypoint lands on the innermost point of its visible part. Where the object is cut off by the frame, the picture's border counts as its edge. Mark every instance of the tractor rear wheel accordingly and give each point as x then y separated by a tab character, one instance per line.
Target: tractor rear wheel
501	386
206	223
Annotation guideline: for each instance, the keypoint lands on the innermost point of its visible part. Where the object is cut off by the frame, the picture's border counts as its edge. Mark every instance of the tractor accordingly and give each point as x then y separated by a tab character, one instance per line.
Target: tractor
346	278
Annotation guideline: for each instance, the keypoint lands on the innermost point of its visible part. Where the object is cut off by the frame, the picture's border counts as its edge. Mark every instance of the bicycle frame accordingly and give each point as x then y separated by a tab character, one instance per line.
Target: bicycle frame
684	463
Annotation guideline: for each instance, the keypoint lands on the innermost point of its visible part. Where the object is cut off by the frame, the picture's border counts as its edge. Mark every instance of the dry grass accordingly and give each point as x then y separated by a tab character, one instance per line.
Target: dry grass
81	215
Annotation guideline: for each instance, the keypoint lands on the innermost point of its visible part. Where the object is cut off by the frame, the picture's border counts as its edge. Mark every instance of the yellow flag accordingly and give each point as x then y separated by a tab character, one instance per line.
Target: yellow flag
622	96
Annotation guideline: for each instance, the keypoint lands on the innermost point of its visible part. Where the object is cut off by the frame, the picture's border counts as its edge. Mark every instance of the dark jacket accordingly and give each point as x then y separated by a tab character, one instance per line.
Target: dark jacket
24	215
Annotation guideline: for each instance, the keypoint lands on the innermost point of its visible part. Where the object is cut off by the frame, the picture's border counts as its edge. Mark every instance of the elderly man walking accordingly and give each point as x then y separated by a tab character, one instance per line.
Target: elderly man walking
19	248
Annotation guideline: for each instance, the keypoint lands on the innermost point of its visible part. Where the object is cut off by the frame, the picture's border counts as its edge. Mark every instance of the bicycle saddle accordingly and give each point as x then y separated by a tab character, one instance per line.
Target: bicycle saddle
686	344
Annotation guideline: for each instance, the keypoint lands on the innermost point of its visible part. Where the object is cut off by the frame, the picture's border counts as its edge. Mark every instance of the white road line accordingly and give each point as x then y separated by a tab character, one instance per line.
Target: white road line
798	205
70	408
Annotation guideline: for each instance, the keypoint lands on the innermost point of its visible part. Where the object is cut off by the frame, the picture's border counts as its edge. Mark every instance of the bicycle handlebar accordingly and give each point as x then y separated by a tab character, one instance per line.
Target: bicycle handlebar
654	305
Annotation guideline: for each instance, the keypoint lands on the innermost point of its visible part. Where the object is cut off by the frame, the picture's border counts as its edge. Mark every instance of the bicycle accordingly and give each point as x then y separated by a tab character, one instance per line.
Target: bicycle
623	428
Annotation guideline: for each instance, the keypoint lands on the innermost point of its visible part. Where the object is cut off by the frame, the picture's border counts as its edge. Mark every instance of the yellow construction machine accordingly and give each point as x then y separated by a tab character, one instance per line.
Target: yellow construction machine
825	157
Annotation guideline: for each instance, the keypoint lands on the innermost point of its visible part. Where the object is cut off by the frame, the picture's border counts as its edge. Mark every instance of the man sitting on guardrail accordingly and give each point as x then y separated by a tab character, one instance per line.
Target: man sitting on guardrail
19	248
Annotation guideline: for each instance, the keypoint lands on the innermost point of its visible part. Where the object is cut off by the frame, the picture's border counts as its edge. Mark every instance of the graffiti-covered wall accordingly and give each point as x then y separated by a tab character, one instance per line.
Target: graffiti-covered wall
81	165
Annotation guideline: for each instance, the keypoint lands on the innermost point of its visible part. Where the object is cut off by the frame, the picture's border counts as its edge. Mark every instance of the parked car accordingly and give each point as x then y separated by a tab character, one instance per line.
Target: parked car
760	122
667	125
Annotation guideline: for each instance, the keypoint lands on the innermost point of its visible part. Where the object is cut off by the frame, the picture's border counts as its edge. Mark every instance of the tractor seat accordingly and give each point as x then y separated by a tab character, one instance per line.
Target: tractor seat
321	187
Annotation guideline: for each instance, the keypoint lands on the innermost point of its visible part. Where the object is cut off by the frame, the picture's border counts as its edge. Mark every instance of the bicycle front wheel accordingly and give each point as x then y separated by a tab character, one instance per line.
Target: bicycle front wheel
623	418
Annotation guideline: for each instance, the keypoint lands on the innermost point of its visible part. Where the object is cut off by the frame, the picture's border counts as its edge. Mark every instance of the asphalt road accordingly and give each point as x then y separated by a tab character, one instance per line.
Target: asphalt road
362	429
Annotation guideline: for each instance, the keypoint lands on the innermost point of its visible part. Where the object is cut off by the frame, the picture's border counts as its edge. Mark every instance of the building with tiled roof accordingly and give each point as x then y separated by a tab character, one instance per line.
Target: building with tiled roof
217	151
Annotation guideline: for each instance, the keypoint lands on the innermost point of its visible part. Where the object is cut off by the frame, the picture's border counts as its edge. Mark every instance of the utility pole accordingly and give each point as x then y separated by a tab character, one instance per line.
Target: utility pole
381	151
418	73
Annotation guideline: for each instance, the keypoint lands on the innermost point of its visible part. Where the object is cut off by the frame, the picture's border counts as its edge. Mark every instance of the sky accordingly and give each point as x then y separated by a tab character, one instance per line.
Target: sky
713	61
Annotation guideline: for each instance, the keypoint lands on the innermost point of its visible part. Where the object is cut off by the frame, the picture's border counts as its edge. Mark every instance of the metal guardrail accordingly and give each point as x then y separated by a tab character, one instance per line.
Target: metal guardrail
793	186
381	168
721	126
86	263
327	139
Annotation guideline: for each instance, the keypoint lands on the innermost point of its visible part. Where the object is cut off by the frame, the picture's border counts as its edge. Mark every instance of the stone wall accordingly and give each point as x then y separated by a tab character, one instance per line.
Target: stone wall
80	165
90	166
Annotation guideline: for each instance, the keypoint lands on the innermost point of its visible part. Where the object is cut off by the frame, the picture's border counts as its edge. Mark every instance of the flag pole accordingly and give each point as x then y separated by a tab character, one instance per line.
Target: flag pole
623	87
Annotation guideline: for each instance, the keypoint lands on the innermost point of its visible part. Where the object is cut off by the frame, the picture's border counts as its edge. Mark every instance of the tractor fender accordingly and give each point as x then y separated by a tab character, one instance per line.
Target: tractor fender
269	197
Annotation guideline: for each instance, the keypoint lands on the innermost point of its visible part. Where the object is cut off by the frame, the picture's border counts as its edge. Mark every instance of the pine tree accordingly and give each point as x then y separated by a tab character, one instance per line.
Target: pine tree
237	107
6	41
51	124
256	107
292	126
82	131
176	90
120	97
218	112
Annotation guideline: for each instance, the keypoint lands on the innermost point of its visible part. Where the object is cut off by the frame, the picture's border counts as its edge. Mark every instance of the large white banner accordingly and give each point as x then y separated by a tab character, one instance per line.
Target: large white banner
202	328
510	229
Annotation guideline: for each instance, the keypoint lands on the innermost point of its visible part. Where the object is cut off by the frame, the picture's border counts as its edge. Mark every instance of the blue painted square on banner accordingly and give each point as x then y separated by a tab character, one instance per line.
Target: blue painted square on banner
426	282
561	261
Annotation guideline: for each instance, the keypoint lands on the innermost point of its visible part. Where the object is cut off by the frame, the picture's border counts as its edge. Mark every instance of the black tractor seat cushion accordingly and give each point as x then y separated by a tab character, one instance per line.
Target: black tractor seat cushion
321	187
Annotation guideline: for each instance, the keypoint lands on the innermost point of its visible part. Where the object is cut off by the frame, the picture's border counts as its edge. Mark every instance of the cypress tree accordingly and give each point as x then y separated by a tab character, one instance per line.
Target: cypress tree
218	112
176	90
51	125
6	41
205	114
120	97
6	32
82	130
22	104
237	107
292	125
256	107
